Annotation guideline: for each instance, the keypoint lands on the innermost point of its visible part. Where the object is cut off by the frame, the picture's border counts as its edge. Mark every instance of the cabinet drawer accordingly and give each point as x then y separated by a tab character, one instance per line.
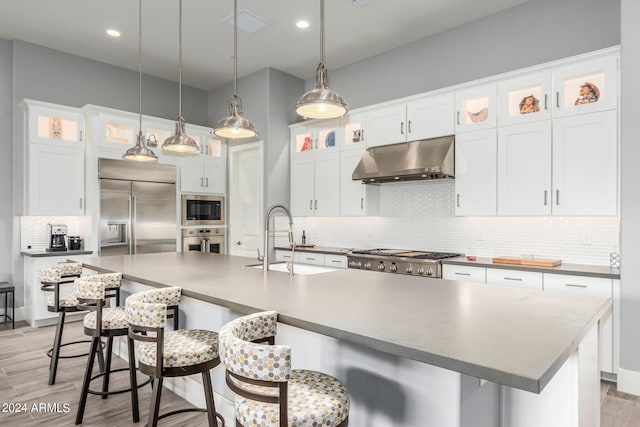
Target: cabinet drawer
284	255
523	279
311	258
464	273
337	261
595	286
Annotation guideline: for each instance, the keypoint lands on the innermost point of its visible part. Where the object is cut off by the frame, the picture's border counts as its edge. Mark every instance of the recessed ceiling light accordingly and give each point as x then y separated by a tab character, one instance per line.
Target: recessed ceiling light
113	33
302	24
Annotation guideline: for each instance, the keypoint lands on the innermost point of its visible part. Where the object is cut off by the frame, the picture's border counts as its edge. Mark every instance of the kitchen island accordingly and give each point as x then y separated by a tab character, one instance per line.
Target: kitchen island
412	351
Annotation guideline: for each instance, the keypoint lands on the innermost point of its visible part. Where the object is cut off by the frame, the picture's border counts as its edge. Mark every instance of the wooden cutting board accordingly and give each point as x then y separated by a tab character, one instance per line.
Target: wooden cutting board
536	262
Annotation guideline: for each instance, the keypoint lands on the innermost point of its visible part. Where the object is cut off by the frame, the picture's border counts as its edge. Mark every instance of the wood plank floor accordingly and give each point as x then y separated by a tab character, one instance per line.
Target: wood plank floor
24	370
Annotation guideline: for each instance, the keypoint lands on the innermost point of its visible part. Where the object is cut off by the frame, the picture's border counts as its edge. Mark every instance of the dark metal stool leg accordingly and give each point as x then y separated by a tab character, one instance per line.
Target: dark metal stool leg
208	397
133	380
101	363
107	368
53	364
95	343
155	403
13	310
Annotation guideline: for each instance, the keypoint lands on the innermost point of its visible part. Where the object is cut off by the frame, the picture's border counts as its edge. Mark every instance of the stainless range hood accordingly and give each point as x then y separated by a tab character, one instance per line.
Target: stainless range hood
408	161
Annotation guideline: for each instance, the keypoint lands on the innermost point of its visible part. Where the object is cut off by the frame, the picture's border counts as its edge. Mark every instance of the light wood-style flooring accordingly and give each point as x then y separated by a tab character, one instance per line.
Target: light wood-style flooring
24	371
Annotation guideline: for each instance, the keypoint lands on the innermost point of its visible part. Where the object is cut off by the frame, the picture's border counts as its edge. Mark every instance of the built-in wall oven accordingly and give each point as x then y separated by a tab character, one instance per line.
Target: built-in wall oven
210	240
199	209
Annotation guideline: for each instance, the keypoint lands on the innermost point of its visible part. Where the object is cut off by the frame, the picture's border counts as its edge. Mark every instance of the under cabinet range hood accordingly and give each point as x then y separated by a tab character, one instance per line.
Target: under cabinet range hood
408	161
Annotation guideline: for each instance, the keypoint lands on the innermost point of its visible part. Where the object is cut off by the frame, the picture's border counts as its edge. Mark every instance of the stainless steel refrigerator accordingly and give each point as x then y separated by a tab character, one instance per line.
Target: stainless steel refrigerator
137	207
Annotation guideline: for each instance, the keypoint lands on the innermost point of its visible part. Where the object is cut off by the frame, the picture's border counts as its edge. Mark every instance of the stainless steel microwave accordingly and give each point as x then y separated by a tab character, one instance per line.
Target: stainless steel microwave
198	209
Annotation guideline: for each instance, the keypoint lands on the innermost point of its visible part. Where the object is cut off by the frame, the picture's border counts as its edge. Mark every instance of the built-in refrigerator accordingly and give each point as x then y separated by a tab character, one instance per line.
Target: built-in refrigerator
137	207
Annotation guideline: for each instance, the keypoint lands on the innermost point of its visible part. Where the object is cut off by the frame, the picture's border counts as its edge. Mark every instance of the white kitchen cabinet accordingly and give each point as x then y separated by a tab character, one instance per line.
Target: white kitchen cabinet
600	93
353	129
315	258
54	159
524	169
315	137
476	166
202	175
585	164
336	261
423	118
310	258
517	278
475	108
524	99
315	184
464	273
595	286
356	198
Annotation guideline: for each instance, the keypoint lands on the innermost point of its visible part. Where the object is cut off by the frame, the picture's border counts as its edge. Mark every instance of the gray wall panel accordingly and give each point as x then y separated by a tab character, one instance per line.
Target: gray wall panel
6	168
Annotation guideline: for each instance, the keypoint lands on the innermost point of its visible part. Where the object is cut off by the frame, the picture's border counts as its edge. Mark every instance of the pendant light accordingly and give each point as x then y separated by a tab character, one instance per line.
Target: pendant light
180	142
235	126
321	102
140	152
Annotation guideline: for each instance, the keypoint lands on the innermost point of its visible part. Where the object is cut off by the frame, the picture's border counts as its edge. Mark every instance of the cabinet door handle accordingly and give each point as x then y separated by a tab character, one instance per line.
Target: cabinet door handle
361	202
401	128
545	102
515	279
458	117
80	135
310	259
409	126
463	274
362	134
310	205
201	182
336	261
316	143
545	197
207	180
557	197
558	99
316	205
458	200
239	243
574	285
80	202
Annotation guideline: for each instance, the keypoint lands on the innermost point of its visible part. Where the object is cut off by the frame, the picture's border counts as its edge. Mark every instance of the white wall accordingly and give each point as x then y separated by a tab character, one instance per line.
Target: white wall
6	168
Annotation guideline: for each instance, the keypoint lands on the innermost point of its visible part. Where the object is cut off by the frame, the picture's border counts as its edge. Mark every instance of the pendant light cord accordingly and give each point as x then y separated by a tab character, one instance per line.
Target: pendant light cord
140	58
235	47
322	31
180	61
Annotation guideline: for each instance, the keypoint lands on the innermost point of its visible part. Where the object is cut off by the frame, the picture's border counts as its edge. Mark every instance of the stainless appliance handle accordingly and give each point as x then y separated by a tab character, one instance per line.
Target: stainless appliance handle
134	221
204	245
129	228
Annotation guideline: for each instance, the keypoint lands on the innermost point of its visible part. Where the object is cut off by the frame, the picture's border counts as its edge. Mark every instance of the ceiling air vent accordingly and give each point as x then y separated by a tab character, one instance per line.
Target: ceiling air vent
247	21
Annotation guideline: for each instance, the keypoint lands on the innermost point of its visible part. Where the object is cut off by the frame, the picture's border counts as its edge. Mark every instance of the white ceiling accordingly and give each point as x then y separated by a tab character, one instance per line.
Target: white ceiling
351	33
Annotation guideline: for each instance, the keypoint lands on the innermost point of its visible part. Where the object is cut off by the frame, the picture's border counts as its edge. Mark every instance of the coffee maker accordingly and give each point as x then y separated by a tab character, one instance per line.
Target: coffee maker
57	234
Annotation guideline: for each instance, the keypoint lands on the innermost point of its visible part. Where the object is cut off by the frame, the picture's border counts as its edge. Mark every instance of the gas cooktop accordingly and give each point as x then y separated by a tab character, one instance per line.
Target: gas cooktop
400	261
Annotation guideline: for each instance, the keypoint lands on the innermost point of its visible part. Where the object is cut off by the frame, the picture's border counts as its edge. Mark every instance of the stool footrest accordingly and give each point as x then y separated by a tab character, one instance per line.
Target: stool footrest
50	352
180	411
109	393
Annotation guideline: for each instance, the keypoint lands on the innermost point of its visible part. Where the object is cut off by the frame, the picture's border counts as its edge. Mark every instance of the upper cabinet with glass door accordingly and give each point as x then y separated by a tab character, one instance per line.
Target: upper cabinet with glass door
317	136
524	99
55	124
117	129
352	127
476	108
585	87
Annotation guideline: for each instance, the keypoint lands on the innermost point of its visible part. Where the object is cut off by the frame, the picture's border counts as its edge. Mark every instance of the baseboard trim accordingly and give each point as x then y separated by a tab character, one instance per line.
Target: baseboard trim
629	381
19	313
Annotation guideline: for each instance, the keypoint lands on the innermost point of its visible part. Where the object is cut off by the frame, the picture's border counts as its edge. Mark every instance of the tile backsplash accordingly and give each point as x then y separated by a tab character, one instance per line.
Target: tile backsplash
420	215
34	231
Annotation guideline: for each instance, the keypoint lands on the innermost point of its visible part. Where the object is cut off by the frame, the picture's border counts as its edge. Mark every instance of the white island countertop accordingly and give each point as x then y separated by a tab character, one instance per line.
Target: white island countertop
511	336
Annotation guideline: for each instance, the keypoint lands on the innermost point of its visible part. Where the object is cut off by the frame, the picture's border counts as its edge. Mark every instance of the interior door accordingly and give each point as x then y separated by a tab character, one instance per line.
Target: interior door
245	201
115	221
153	217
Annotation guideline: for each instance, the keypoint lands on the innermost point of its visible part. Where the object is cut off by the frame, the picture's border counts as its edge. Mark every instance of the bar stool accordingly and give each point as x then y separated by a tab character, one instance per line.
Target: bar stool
174	353
6	289
106	322
268	392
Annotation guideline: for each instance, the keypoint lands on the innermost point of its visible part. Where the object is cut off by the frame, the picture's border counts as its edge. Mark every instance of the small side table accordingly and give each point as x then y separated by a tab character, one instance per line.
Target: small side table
6	289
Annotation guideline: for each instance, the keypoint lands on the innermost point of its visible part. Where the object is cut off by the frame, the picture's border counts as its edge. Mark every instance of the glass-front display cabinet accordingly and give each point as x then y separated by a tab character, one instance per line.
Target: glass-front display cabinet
476	108
353	129
524	99
315	137
55	124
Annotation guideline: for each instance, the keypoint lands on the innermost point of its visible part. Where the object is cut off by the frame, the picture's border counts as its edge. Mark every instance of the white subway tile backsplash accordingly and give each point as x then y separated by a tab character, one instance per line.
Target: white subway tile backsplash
34	232
420	215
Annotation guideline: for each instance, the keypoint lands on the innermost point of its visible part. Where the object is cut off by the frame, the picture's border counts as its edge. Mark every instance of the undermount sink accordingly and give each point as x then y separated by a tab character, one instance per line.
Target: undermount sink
302	269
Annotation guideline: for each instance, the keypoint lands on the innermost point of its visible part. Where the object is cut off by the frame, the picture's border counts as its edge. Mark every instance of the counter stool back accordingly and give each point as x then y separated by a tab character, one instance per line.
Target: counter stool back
268	392
176	353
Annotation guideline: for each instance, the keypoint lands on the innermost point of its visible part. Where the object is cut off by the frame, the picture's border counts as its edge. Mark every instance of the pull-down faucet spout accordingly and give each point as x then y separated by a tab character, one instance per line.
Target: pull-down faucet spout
267	217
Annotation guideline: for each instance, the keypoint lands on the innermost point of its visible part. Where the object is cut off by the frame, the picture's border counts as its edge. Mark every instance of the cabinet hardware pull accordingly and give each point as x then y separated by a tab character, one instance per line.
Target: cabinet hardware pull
238	243
458	200
336	261
545	102
80	135
557	197
310	205
573	285
310	259
80	202
201	182
409	126
558	99
362	134
402	128
458	117
517	279
316	143
545	197
207	180
463	274
361	202
316	204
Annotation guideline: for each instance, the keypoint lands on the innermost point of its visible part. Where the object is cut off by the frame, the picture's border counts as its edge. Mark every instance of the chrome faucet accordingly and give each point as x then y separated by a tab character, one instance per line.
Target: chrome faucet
267	217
